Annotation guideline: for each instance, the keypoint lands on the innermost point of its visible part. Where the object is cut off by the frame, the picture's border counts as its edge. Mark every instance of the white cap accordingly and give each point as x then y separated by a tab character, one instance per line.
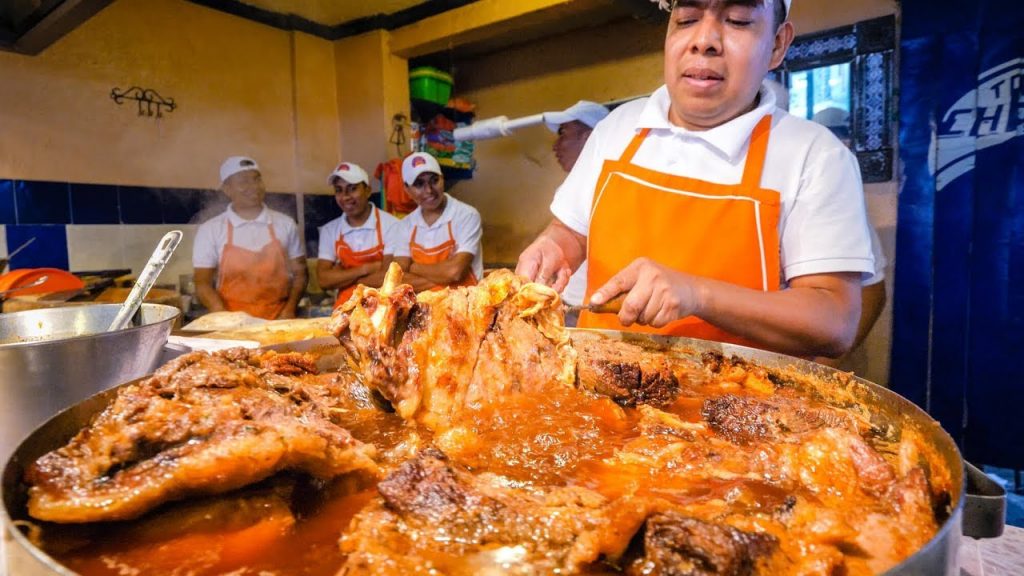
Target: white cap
236	164
590	113
667	4
349	172
417	163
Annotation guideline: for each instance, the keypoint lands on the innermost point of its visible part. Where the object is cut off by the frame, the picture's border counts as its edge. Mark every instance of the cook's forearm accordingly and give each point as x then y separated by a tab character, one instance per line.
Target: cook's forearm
803	320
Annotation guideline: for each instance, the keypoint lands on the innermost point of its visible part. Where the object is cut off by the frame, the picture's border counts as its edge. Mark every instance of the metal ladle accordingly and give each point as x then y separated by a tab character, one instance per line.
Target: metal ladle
147	278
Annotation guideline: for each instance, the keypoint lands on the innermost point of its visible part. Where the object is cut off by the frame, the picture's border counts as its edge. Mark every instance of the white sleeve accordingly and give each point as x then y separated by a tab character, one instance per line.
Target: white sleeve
575	196
826	231
392	236
400	238
292	243
467	231
328	236
204	248
880	260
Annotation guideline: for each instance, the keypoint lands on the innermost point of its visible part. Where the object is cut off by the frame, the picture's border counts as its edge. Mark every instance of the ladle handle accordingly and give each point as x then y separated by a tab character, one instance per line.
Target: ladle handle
156	264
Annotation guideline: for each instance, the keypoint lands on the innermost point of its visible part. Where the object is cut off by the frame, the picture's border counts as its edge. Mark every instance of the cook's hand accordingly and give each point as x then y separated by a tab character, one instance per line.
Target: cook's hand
656	295
544	262
286	314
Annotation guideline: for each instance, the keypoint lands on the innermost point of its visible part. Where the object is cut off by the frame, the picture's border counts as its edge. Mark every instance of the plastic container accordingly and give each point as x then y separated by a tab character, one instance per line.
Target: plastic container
431	84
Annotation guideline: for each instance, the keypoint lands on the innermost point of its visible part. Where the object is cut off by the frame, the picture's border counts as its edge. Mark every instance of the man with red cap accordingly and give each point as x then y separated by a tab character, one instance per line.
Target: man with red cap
439	242
352	245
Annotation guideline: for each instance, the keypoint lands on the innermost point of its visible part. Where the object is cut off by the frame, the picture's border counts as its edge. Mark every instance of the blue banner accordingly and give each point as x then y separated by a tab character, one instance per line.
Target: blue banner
958	315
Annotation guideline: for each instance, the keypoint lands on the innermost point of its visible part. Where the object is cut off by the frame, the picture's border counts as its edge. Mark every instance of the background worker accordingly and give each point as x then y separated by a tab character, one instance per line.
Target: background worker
352	245
439	242
249	258
573	126
716	214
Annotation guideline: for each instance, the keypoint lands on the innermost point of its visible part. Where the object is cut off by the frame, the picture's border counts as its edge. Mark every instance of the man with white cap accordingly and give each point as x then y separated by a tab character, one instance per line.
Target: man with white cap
714	213
352	245
252	253
573	126
439	242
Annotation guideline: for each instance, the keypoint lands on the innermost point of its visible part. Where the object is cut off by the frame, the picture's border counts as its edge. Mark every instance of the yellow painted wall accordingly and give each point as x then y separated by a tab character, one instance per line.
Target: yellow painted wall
372	86
241	87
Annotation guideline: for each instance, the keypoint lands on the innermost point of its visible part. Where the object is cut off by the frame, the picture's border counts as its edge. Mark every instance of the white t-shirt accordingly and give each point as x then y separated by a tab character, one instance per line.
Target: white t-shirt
880	259
358	238
823	225
466	230
249	234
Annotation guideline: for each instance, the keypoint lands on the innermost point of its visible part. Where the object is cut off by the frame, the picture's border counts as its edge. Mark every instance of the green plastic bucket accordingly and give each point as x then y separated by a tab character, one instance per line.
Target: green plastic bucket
428	83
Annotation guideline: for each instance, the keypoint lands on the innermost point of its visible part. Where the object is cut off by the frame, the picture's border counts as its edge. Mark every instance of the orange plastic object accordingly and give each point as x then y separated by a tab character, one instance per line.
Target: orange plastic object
56	281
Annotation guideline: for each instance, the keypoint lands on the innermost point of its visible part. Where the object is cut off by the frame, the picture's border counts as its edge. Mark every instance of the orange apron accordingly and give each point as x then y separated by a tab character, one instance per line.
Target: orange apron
350	258
257	283
728	232
423	255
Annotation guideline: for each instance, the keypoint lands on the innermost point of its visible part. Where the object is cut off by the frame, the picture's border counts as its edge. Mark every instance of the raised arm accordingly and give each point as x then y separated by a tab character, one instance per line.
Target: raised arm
553	256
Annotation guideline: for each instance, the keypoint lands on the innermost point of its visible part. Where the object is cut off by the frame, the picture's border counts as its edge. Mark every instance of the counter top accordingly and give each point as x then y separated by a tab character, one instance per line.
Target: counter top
994	557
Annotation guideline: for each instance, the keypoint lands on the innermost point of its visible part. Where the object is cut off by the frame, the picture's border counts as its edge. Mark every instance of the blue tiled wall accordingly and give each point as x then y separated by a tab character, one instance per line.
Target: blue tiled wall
32	208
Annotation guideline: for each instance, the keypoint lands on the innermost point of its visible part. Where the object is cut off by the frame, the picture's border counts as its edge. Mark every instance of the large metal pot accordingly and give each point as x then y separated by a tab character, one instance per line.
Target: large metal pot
52	358
939	557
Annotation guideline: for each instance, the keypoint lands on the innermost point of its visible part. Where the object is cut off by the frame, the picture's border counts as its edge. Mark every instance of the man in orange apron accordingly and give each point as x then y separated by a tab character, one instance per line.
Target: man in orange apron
352	245
438	243
251	252
718	215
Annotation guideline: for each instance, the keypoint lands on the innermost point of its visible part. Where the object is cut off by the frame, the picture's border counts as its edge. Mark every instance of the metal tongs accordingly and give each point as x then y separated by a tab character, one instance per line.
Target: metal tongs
156	264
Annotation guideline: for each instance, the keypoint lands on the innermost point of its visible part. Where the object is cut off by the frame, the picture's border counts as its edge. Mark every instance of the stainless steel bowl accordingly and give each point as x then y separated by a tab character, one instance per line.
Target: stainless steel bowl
53	358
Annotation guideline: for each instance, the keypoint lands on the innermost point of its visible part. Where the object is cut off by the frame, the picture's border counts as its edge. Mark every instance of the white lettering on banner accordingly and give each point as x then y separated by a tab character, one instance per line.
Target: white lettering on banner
987	116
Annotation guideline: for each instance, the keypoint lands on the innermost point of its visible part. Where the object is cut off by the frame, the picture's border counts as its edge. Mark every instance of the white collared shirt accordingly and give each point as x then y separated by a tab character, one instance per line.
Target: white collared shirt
466	229
823	225
253	235
358	238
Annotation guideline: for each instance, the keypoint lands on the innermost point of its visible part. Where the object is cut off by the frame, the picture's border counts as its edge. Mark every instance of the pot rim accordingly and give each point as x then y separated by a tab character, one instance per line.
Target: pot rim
172	314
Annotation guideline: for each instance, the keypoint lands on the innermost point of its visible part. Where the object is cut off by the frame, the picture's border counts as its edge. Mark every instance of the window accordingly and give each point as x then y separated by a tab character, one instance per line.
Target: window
843	79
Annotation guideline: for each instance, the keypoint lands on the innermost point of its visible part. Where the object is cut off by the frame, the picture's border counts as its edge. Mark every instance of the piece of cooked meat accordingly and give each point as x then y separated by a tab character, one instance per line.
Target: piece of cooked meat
202	424
676	545
434	518
628	373
433	354
744	420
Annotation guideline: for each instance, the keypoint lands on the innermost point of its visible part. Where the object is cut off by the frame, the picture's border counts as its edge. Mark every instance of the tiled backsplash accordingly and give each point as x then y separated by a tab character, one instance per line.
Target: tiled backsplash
83	227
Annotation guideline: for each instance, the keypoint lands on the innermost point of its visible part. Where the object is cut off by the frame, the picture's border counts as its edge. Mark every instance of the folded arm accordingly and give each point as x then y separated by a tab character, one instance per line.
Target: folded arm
426	276
331	275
